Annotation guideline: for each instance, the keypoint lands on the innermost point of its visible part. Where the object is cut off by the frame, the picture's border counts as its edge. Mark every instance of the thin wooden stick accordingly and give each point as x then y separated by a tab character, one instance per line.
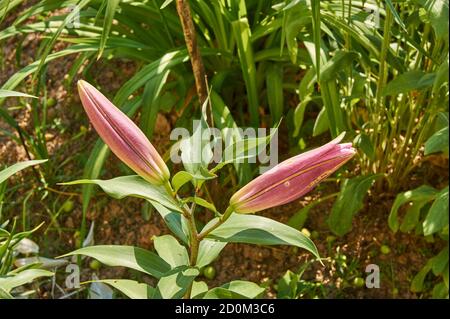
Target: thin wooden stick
190	38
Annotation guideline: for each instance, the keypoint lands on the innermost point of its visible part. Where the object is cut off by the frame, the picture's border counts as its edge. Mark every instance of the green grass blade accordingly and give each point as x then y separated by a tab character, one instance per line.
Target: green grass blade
241	32
111	8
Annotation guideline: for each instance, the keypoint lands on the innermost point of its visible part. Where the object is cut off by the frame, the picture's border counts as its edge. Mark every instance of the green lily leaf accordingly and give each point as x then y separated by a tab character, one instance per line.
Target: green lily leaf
7	283
175	283
253	229
171	251
130	288
134	186
126	256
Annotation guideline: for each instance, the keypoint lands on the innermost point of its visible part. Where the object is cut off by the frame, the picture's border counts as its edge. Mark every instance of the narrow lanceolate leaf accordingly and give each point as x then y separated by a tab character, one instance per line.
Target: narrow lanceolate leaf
126	256
201	202
8	93
422	194
4	294
175	221
408	81
224	121
8	172
299	218
150	102
437	217
336	64
440	261
199	288
44	263
322	124
196	150
111	7
438	142
175	283
133	186
166	3
241	32
171	251
131	288
68	19
253	229
237	289
437	11
275	98
180	179
363	142
397	17
99	290
24	277
417	281
349	202
315	4
208	251
240	149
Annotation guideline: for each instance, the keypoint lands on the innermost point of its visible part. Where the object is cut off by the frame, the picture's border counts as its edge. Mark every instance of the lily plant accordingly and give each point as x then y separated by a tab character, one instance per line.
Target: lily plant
12	279
181	255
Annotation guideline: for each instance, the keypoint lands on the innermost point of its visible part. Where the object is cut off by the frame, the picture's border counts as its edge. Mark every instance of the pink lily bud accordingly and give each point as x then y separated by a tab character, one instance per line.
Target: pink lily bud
292	178
122	136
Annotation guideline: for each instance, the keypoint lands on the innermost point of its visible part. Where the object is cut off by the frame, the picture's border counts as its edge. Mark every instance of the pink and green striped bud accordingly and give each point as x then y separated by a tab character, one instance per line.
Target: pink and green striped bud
122	136
292	178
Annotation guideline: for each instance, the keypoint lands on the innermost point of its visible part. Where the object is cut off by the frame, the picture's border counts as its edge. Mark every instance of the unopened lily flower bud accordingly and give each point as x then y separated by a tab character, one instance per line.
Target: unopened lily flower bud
122	136
292	178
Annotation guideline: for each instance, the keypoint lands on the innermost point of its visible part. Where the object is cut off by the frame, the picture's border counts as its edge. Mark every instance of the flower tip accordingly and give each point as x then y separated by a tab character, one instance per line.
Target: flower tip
339	138
350	152
81	84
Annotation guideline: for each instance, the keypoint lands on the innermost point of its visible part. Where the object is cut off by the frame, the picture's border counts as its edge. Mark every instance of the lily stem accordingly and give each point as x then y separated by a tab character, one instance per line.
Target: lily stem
194	242
221	220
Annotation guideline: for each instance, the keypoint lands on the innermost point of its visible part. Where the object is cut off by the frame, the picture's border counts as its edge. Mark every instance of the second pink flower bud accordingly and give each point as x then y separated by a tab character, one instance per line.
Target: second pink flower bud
292	178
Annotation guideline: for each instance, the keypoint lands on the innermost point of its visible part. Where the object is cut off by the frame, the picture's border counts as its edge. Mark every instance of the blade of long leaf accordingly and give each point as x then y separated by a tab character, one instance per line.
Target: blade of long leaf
111	7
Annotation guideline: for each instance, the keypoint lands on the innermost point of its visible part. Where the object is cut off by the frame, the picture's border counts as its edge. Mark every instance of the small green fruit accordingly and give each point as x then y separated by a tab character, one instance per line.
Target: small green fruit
385	249
358	282
68	206
95	264
331	239
315	234
51	102
209	272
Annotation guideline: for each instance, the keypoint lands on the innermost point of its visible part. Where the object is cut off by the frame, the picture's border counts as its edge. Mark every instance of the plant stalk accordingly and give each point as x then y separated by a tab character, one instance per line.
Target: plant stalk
190	38
221	220
194	244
